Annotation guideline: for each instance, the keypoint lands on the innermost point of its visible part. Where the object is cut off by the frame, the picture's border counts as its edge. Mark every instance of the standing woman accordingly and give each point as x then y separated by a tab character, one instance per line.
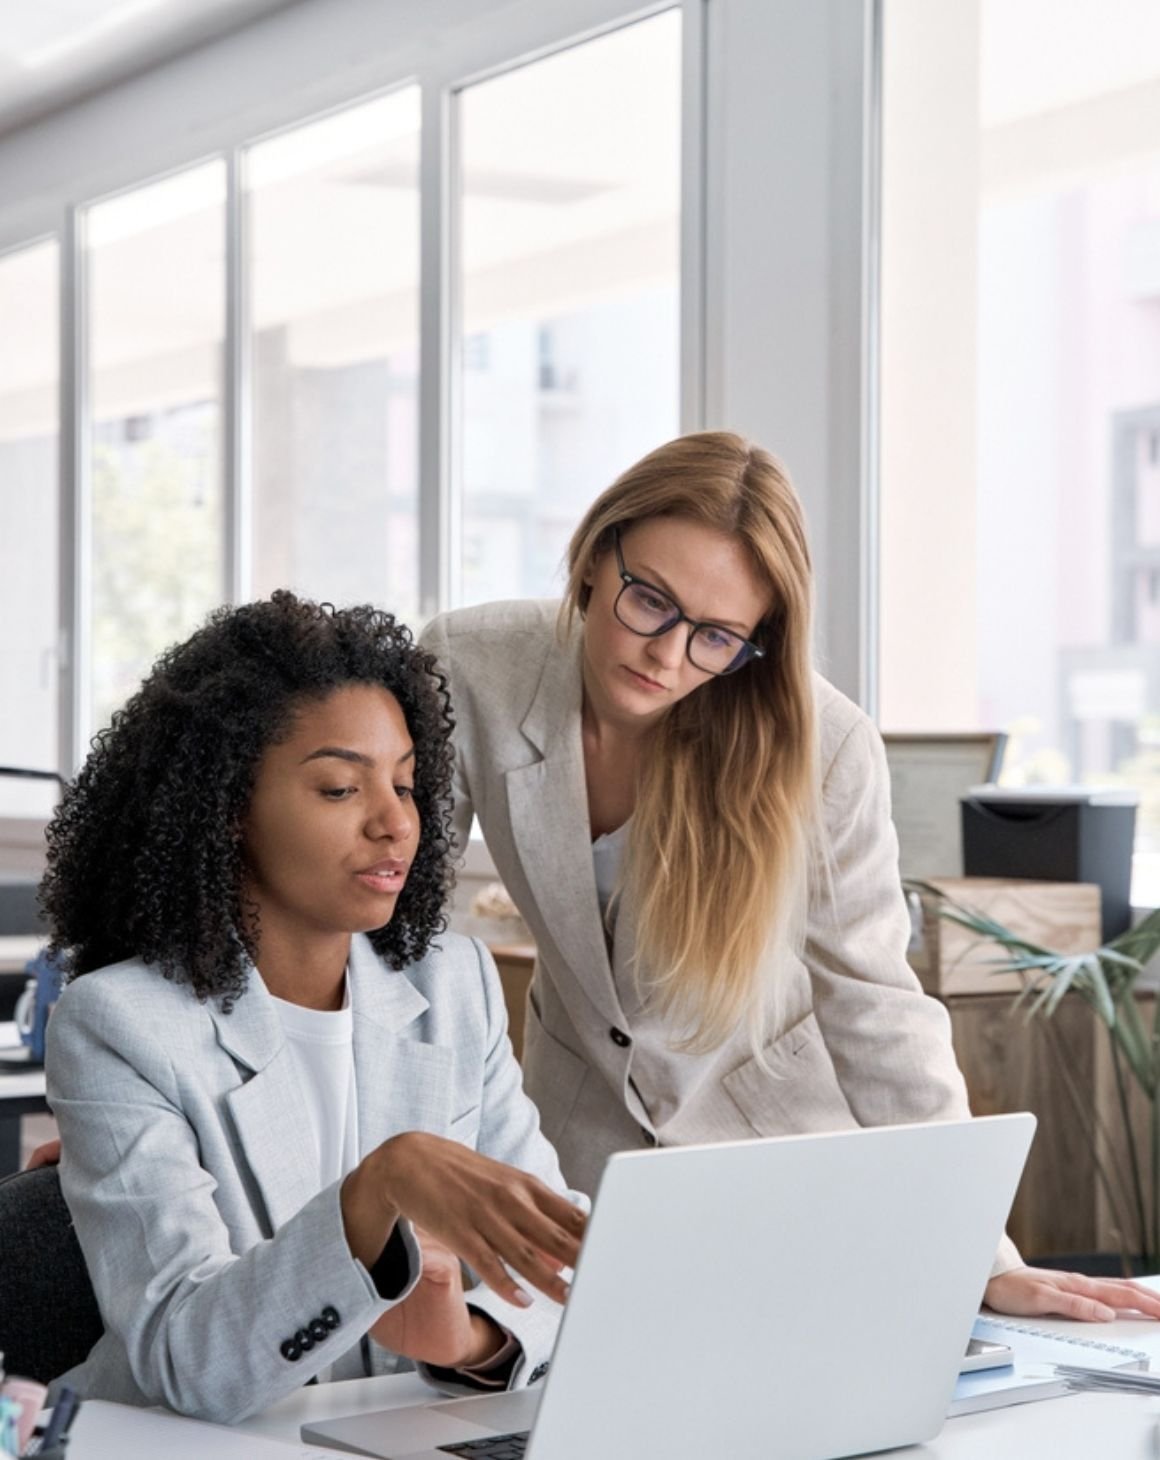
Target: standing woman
696	828
271	1066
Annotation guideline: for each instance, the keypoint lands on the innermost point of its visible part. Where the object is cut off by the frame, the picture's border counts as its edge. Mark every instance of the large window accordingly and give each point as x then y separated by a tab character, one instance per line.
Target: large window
156	281
462	281
569	208
29	614
333	213
1021	388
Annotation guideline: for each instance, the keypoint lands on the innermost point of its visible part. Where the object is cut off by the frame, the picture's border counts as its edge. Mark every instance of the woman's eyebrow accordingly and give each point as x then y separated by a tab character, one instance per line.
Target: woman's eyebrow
354	756
657	580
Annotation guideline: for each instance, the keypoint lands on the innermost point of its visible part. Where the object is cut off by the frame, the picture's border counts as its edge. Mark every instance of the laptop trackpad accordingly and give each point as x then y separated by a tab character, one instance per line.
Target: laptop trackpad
505	1413
415	1428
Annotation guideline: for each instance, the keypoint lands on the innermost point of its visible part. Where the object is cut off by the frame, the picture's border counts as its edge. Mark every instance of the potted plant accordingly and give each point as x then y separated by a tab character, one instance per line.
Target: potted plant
1106	979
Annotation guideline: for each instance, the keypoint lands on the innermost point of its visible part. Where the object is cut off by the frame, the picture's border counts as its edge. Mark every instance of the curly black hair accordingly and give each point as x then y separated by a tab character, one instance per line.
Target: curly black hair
145	850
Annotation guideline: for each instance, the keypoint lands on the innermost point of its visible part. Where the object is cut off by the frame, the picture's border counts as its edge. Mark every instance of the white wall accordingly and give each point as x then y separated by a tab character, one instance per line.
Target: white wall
787	286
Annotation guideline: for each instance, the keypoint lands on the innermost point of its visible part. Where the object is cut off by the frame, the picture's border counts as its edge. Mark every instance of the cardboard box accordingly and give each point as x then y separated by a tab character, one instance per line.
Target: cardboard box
950	959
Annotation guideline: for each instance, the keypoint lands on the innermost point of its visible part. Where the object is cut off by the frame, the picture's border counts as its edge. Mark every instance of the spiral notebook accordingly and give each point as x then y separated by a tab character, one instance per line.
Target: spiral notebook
1033	1375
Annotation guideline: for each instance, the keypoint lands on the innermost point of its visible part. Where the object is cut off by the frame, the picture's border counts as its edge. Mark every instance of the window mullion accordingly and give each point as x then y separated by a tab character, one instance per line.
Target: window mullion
438	509
74	660
694	156
237	496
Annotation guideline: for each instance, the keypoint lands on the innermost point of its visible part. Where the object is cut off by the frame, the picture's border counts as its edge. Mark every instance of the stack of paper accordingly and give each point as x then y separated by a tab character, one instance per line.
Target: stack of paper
1033	1375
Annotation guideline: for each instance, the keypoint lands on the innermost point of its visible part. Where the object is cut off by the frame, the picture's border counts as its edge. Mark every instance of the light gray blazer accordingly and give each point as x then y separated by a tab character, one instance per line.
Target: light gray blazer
190	1182
852	1040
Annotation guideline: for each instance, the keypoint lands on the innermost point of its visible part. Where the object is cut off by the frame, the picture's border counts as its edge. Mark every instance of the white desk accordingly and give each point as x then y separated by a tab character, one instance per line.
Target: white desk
1079	1427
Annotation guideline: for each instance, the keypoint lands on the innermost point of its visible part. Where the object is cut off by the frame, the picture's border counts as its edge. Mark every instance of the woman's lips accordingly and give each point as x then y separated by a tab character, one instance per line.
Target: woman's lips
644	681
384	876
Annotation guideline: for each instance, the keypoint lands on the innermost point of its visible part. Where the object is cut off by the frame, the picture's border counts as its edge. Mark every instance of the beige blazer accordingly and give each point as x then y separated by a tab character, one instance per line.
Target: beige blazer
856	1041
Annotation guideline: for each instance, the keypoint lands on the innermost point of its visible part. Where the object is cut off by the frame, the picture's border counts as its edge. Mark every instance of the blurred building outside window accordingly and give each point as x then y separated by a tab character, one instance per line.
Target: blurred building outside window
156	328
333	224
569	200
1020	459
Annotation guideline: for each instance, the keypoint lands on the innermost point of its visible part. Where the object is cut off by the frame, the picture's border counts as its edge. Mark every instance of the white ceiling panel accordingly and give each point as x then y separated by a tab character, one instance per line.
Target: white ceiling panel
53	52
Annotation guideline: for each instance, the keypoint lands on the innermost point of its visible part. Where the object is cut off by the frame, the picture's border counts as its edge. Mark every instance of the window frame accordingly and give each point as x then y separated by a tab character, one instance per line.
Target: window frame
472	55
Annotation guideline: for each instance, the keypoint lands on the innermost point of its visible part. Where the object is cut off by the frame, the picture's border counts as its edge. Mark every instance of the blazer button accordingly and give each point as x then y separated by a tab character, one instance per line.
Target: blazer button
290	1351
330	1317
537	1373
318	1330
619	1037
303	1339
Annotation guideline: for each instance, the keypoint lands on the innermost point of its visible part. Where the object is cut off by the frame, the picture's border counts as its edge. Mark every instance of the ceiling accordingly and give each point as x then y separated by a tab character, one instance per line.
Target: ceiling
54	52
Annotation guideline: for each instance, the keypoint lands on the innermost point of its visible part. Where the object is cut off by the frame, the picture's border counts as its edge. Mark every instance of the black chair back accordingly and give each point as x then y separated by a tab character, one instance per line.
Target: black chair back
49	1319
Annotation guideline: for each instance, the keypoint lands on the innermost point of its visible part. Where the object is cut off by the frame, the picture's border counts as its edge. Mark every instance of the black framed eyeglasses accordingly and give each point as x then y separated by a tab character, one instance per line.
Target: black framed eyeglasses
650	611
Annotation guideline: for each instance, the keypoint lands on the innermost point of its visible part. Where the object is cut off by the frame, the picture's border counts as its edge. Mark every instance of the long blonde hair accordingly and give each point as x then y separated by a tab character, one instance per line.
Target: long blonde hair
727	794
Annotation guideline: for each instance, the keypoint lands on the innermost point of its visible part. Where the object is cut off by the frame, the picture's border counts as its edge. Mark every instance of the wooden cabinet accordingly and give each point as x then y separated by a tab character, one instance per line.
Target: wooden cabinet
1061	1070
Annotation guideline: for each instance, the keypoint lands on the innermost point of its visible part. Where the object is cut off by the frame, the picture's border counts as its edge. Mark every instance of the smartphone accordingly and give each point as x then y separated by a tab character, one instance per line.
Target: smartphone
983	1354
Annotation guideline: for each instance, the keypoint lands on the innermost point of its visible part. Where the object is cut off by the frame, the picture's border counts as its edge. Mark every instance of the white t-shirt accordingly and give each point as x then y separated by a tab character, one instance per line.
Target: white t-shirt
607	856
321	1042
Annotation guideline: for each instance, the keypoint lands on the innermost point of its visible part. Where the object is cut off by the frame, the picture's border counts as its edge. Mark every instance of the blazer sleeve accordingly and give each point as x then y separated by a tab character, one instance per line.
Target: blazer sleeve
202	1326
890	1042
509	1131
435	640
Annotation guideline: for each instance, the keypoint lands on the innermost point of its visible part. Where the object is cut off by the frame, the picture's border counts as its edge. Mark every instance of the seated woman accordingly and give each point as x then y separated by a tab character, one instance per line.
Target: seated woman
287	1100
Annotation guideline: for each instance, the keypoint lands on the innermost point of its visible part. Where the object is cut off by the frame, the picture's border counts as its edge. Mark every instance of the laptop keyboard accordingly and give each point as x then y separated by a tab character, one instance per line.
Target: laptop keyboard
498	1447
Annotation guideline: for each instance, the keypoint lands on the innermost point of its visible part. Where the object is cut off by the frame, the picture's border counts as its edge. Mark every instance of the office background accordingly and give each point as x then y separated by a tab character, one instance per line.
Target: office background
371	298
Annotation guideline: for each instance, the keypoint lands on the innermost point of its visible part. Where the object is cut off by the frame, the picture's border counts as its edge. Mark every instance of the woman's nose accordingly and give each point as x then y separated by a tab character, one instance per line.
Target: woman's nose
668	649
392	818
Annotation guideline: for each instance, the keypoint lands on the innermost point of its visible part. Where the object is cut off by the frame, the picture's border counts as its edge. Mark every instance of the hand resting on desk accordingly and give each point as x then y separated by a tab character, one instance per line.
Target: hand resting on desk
1040	1292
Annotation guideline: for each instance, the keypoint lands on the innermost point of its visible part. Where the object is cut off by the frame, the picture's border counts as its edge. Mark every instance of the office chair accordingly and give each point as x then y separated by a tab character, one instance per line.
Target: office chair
49	1319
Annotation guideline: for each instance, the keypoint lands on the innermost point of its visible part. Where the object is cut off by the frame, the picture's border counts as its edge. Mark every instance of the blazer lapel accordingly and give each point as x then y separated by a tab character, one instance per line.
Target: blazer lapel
547	803
403	1084
269	1110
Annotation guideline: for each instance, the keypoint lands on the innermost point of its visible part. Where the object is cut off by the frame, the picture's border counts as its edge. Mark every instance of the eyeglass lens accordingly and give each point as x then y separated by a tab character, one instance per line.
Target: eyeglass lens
647	611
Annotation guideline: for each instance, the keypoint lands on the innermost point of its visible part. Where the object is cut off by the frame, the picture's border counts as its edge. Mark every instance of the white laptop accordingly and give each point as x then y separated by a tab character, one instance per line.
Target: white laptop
806	1297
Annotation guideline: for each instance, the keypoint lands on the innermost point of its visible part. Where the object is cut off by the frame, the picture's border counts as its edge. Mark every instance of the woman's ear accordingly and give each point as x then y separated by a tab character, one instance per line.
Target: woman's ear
600	550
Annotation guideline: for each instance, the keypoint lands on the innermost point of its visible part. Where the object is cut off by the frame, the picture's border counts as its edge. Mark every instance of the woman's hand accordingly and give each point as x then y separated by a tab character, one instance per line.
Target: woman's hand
433	1323
45	1155
1030	1291
484	1212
